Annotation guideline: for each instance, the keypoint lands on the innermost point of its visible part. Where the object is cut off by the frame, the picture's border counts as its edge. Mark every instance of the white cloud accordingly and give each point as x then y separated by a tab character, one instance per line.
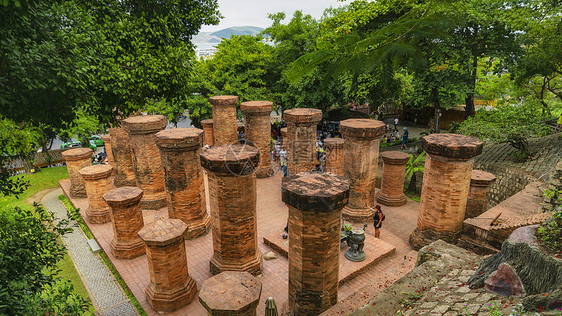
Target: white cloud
254	12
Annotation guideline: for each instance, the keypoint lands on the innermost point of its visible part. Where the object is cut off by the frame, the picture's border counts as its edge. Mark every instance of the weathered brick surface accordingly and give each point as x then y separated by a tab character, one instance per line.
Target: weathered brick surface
361	153
170	286
232	194
146	158
477	202
393	176
127	220
208	128
446	182
231	294
107	145
258	132
315	202
301	138
224	119
76	159
123	157
334	155
98	181
185	190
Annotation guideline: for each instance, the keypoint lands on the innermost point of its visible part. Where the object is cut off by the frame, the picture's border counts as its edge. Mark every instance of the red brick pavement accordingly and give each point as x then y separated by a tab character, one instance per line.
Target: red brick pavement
272	214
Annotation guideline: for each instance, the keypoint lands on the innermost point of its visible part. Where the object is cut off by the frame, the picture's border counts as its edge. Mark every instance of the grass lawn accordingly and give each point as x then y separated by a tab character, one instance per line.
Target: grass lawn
45	179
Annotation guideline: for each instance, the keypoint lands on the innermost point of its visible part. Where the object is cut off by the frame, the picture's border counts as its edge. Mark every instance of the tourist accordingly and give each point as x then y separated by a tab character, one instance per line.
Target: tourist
404	138
283	160
377	221
396	124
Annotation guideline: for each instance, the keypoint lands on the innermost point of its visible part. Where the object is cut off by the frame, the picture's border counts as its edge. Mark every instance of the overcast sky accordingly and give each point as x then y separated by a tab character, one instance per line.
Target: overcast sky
254	12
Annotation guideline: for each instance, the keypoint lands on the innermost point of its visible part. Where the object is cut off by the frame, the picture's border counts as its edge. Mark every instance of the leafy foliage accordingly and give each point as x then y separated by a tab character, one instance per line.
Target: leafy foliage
29	252
549	234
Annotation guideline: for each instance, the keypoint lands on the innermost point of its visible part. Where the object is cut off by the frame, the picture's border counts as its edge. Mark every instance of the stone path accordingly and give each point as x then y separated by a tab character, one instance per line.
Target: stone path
105	293
451	296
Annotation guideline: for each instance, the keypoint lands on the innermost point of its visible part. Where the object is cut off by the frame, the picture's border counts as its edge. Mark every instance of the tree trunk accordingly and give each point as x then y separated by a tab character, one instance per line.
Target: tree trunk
469	109
436	108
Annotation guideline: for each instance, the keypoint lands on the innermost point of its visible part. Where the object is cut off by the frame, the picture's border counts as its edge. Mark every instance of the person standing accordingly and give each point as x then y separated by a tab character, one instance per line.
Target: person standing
396	124
377	221
404	138
283	161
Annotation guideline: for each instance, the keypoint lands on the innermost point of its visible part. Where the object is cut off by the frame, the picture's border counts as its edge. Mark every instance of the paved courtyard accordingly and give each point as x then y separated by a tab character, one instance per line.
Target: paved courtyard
272	216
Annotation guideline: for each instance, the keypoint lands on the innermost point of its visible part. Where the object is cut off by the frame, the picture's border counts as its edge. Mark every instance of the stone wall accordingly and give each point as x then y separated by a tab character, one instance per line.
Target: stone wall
510	180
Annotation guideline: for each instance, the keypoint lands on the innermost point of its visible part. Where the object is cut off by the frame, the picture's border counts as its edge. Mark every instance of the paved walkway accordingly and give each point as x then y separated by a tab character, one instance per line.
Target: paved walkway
105	293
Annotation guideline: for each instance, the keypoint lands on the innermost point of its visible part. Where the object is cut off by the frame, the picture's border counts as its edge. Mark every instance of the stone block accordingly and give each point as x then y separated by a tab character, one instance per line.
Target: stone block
393	176
258	132
231	294
98	181
76	159
224	119
301	138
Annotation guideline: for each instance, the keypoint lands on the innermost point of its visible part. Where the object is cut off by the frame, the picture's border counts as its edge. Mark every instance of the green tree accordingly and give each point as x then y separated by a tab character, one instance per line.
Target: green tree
29	252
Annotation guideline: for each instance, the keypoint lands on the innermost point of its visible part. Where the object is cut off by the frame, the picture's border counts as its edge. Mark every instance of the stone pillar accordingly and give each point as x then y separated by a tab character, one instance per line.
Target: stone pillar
76	159
127	220
315	202
301	138
208	128
334	155
393	176
170	286
185	189
98	182
146	158
445	187
231	294
258	132
224	119
107	146
284	135
361	153
477	202
122	157
232	191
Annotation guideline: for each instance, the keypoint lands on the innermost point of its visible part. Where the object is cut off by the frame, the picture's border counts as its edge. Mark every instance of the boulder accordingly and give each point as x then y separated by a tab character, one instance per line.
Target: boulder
504	281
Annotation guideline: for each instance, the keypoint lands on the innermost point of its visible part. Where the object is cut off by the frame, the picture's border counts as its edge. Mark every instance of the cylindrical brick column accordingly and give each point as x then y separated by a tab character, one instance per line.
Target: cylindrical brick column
258	132
170	286
301	138
107	145
334	155
232	191
185	189
127	220
477	202
361	153
224	119
208	128
315	201
98	182
146	158
393	176
445	187
231	294
76	159
284	135
122	157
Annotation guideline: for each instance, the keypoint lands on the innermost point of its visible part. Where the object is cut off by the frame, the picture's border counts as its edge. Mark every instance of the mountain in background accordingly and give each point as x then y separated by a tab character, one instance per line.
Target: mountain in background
217	36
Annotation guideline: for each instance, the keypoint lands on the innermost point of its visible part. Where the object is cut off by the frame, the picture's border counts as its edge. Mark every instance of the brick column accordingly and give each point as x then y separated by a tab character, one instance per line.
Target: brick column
301	138
127	220
107	145
315	202
76	159
446	182
208	128
258	132
334	155
98	182
393	175
170	286
146	158
122	157
284	135
231	294
232	191
185	189
477	202
361	153
224	119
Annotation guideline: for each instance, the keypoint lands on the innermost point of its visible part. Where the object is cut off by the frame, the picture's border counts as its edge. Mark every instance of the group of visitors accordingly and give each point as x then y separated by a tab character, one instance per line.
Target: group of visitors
395	135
